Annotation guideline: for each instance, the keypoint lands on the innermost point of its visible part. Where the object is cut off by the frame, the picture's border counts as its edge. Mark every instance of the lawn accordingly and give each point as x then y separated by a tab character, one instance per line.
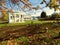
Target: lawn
21	23
31	33
26	23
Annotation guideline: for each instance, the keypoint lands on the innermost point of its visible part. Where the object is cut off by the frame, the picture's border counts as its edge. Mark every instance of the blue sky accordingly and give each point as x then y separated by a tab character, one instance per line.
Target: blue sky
34	3
37	2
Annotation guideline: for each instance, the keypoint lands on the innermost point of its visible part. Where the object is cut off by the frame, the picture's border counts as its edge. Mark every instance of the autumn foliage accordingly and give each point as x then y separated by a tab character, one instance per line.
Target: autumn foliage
4	14
2	3
14	1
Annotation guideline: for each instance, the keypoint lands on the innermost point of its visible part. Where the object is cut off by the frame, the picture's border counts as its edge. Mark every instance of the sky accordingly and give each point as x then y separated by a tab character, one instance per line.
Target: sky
45	9
34	3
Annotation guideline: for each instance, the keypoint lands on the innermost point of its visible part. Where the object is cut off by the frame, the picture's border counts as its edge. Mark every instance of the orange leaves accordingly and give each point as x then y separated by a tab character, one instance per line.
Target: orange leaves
3	3
14	1
27	4
24	0
4	14
3	11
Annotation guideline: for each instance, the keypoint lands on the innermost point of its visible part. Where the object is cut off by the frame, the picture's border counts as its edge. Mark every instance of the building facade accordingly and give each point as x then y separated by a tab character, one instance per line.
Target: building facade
17	17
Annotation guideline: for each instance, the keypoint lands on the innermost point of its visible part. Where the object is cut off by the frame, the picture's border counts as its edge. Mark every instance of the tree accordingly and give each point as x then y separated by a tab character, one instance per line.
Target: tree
54	4
4	15
43	15
54	16
27	4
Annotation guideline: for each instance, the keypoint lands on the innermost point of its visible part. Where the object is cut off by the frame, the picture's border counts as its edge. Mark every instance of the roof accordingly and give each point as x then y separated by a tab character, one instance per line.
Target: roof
16	12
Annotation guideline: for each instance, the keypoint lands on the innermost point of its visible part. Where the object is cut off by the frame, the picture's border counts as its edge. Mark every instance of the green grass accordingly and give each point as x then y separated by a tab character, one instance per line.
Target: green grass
13	24
22	23
25	23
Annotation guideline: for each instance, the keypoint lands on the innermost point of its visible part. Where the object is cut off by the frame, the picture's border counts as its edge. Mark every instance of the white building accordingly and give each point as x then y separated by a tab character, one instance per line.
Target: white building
17	17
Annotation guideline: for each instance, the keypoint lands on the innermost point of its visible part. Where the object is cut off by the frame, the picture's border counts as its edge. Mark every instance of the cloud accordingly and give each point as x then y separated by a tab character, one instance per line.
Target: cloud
49	11
37	13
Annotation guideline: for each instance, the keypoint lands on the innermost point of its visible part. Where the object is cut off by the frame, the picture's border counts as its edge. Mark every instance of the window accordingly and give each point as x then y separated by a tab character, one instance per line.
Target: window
17	20
11	17
17	15
21	16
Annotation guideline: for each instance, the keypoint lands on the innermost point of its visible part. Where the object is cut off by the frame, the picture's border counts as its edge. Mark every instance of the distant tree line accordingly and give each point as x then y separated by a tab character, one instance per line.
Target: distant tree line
51	17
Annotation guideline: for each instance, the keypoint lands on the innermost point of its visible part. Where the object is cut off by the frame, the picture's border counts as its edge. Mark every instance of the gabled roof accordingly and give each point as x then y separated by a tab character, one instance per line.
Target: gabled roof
16	12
